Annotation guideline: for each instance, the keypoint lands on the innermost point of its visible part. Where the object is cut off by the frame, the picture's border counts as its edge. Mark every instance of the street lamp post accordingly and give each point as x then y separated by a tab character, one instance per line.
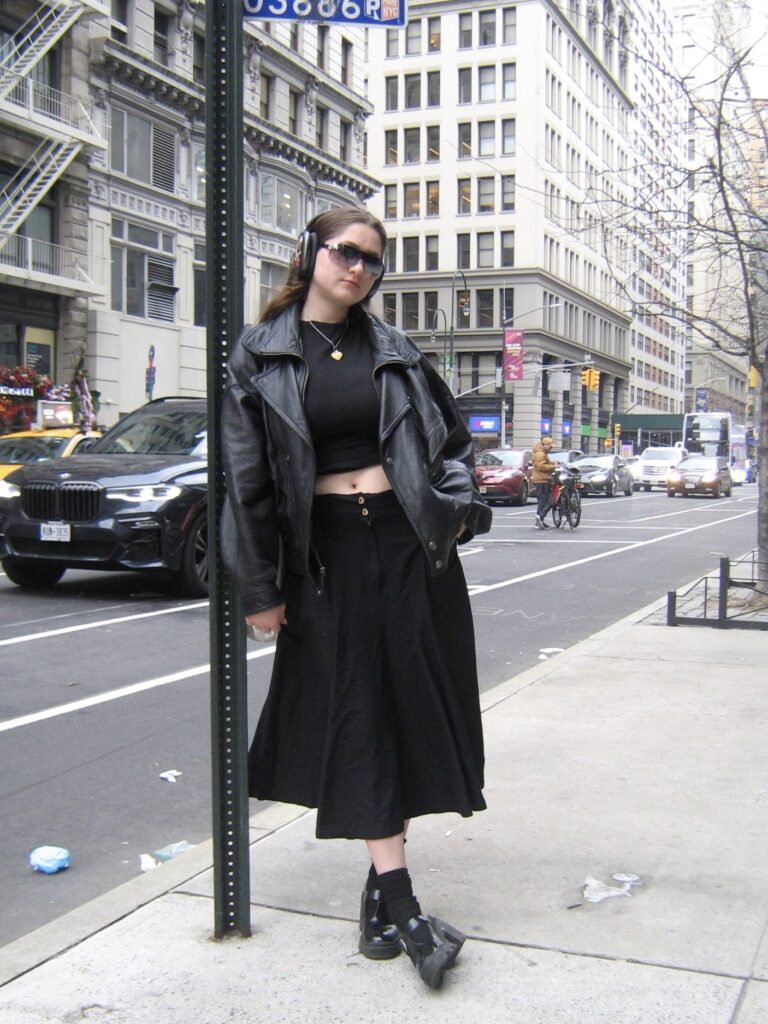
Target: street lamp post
453	313
445	333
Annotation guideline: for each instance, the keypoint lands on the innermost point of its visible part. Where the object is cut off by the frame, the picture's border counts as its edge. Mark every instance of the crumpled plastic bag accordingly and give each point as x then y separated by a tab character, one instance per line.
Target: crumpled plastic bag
596	891
149	861
50	859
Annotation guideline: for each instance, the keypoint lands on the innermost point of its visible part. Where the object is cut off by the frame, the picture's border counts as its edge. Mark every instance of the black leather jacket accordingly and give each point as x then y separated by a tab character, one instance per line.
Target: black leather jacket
269	458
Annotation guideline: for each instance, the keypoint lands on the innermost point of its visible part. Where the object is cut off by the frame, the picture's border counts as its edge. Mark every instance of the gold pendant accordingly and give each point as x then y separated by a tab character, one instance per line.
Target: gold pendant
337	355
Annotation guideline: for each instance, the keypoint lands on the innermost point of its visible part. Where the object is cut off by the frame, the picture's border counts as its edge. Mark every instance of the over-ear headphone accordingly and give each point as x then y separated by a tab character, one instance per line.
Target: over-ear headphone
305	255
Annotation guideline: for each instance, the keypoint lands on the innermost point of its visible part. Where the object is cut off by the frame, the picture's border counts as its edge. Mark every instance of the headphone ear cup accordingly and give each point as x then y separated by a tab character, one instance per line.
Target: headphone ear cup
305	255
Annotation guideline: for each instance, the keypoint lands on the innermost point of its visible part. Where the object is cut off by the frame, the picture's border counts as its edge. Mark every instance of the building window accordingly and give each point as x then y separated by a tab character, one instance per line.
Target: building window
390	201
411	255
412	91
411	145
462	251
266	83
465	31
143	150
432	254
464	204
279	204
509	77
295	36
430	309
507	248
390	308
390	91
509	25
322	47
411	204
507	305
465	141
346	62
345	141
200	284
434	40
486	83
508	136
390	256
465	85
390	146
485	249
484	307
433	198
486	138
433	142
197	184
410	311
119	27
487	28
294	105
143	272
161	32
198	58
507	192
413	37
393	41
321	127
433	88
485	195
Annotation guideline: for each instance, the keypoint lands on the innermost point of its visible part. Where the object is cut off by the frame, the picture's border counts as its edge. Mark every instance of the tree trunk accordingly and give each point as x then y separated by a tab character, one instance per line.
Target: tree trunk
762	484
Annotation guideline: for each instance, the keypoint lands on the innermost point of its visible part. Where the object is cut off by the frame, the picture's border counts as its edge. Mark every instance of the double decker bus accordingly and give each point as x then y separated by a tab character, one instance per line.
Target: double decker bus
715	433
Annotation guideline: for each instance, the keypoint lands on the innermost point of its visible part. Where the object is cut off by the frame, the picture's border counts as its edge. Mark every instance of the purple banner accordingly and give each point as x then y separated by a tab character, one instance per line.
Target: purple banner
513	355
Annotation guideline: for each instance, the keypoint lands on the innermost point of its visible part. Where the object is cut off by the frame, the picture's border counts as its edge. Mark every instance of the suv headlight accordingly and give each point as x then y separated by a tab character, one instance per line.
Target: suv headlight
673	477
8	490
144	494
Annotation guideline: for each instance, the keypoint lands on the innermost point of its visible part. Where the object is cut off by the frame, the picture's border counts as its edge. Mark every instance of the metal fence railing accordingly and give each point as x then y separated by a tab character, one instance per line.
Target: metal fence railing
709	601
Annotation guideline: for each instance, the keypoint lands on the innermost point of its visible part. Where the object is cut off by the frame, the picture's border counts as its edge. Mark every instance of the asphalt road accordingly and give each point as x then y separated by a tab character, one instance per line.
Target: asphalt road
106	685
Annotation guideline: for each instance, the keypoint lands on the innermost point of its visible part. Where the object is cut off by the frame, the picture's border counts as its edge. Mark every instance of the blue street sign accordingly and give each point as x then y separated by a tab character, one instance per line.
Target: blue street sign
485	424
385	13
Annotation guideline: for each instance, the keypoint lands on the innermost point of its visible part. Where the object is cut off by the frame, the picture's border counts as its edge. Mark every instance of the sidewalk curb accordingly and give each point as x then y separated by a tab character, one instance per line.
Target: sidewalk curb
54	938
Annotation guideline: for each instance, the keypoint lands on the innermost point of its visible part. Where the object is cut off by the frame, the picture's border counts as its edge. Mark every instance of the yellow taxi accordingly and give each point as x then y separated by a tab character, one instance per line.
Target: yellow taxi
26	446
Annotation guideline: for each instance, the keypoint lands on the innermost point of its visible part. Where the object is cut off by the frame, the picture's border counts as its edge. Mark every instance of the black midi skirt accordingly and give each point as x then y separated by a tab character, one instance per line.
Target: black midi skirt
373	712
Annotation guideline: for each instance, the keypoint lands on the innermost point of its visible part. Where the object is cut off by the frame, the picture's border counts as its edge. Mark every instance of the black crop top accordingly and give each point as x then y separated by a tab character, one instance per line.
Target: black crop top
340	400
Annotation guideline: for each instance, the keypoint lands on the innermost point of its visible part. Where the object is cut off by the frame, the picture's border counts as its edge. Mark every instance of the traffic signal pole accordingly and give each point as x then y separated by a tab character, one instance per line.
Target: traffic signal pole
224	306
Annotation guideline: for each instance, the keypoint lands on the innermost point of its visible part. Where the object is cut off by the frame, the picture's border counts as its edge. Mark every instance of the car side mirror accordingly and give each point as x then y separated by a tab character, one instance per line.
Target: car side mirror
85	445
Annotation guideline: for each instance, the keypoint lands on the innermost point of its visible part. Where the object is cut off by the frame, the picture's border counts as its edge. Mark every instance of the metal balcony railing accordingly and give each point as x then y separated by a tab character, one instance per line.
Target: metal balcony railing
29	256
41	106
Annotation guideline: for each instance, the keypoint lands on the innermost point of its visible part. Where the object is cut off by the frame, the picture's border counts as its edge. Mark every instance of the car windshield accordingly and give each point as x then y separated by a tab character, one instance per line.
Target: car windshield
698	462
659	455
163	432
595	461
23	450
498	458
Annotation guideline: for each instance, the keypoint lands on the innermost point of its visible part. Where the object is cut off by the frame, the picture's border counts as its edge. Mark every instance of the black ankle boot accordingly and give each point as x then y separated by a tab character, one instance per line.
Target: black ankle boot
432	946
379	938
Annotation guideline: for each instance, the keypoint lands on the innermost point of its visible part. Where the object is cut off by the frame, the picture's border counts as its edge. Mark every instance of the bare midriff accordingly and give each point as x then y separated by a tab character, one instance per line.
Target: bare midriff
368	480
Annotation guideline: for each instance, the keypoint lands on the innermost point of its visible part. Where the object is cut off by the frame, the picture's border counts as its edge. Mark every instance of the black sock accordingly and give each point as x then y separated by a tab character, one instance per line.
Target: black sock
373	880
397	890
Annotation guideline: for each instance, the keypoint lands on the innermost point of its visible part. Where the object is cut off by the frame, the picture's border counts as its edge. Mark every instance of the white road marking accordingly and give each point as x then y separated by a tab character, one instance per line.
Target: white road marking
124	691
102	622
484	588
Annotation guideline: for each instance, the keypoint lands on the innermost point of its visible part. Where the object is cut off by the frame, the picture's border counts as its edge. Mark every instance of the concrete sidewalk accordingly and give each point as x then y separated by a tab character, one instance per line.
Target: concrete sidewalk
641	750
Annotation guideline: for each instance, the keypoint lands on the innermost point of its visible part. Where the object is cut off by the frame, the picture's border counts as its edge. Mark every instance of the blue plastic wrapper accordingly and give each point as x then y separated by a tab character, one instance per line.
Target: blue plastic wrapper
49	859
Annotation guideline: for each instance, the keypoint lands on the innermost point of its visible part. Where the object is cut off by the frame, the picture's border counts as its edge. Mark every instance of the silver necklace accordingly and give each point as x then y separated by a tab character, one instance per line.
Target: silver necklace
336	352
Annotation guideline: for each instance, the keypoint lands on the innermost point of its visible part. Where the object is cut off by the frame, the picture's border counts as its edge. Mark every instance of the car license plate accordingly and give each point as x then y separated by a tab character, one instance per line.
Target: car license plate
483	490
689	487
61	532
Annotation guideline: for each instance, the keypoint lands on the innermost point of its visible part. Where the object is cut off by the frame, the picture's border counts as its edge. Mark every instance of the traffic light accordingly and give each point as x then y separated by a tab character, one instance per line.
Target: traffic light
585	378
594	380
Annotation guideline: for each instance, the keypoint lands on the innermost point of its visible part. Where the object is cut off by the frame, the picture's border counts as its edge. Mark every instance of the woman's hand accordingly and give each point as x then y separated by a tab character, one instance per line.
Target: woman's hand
271	619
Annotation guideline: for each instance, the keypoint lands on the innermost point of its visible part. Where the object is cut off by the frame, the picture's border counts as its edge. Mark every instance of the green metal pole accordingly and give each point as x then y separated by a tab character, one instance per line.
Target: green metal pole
224	298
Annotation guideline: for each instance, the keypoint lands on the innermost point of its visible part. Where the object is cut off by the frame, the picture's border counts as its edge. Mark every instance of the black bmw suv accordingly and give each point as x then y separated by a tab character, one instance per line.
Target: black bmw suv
136	500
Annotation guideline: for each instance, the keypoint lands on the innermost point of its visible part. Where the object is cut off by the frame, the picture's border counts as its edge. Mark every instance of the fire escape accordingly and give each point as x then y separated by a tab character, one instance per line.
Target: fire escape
61	127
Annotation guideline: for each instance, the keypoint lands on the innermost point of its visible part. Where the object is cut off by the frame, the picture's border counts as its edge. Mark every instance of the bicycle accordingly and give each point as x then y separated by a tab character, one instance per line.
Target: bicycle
566	500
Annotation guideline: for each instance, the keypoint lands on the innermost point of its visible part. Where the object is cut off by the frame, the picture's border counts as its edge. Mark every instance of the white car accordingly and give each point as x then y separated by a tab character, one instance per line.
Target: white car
655	463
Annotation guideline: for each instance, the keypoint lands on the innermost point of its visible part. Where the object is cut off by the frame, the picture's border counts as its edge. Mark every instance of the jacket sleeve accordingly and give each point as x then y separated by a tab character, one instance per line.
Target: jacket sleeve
250	541
458	451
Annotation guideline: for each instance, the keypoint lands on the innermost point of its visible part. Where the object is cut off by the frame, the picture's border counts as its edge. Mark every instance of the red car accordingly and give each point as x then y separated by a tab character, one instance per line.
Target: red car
504	474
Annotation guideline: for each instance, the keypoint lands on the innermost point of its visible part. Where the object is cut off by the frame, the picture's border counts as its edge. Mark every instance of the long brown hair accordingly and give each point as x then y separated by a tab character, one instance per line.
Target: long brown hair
325	225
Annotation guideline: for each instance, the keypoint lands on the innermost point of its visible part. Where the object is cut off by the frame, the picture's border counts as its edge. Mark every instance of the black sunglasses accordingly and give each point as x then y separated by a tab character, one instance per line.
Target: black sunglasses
348	256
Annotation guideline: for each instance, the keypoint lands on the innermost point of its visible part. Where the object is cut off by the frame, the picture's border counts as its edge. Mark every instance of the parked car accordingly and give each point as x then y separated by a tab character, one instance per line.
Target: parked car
655	463
604	474
700	474
135	501
566	455
26	446
504	474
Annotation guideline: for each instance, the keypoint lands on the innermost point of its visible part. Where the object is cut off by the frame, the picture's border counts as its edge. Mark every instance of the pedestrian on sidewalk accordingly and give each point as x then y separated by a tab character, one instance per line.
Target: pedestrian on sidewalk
543	468
349	482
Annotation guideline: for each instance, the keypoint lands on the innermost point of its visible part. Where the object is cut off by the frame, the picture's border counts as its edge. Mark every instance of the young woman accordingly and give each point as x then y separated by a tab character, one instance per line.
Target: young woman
349	479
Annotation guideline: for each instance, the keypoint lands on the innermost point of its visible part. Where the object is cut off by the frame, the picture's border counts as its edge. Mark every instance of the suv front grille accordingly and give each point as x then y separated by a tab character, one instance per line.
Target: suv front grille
74	503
